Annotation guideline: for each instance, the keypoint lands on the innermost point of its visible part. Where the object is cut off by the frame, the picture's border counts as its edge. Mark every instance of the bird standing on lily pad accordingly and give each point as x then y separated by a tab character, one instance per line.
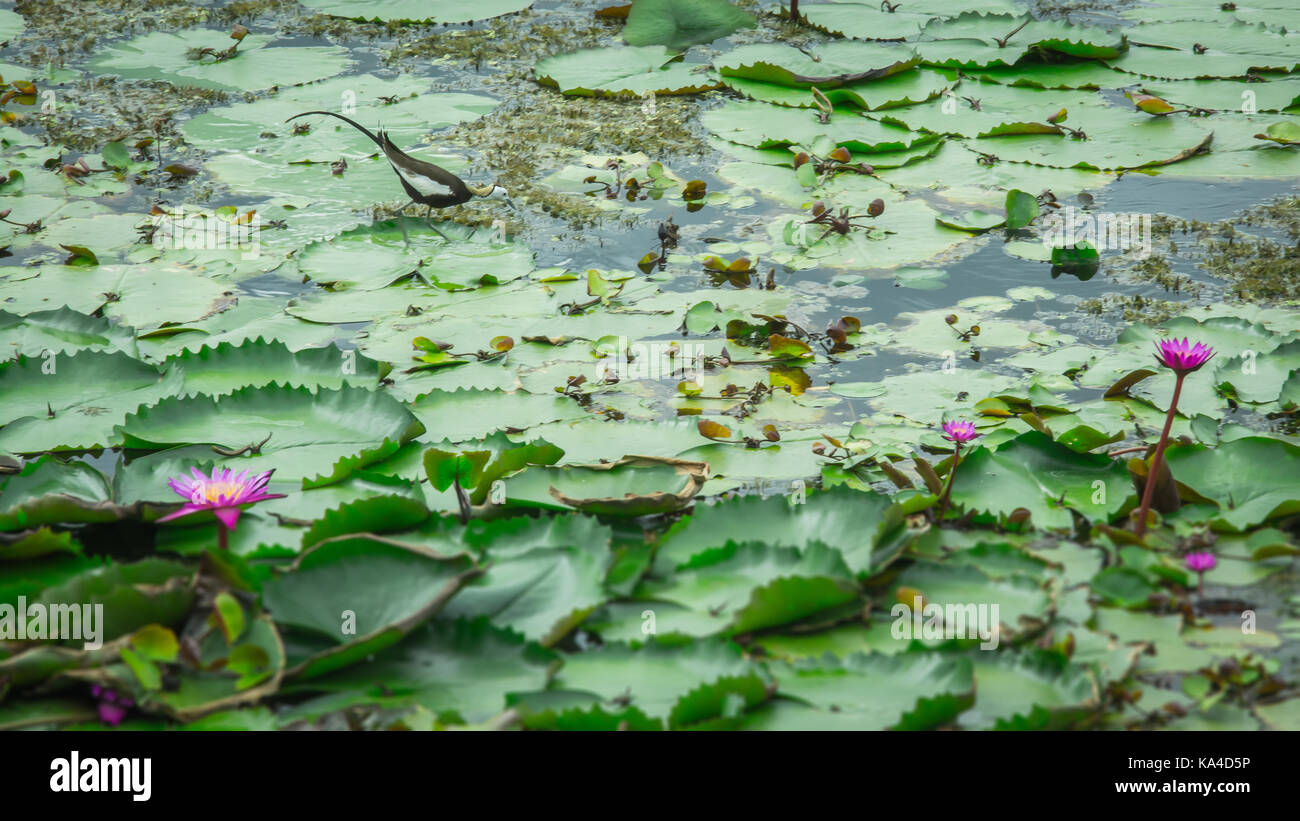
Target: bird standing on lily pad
424	182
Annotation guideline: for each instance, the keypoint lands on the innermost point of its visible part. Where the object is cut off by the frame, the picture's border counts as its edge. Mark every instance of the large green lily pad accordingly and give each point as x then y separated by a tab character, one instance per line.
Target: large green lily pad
257	65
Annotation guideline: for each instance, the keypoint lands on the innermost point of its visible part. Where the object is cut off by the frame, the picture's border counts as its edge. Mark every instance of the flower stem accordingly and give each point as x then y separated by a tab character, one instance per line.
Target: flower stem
947	488
1157	461
223	537
1200	583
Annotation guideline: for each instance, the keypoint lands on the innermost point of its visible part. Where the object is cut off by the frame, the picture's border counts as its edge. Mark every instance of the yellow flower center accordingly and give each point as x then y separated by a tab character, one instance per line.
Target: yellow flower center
214	492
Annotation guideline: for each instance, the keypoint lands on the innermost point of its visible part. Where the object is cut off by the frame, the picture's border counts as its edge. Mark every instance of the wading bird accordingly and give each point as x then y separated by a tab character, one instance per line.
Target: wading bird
424	182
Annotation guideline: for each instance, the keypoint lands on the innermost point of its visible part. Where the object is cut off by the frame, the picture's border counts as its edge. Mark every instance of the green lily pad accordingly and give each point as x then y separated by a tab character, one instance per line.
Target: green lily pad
309	431
764	126
417	11
61	330
461	668
971	40
223	368
1022	601
681	23
1044	477
11	24
632	486
632	70
256	66
152	591
863	526
660	678
541	591
831	65
904	88
1251	479
869	692
1029	690
742	588
1284	133
355	595
866	21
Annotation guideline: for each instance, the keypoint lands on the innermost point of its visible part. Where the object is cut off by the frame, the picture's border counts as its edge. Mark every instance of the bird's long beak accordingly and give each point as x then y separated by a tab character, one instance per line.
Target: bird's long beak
511	203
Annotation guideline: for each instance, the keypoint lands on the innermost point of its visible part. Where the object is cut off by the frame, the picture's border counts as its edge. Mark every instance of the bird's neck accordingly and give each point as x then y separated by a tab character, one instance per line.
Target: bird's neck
479	190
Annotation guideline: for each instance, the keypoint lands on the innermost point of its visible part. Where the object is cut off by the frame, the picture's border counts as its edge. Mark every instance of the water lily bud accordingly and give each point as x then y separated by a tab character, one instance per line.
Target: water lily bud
876	208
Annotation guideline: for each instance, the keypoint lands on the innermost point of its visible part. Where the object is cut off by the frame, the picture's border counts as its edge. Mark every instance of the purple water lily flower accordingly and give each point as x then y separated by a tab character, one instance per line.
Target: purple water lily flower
1182	357
1200	563
960	431
223	493
112	707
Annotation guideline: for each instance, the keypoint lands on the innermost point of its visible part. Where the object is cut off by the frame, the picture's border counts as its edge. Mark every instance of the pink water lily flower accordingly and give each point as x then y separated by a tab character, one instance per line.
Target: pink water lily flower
112	707
223	493
959	431
1201	562
1182	357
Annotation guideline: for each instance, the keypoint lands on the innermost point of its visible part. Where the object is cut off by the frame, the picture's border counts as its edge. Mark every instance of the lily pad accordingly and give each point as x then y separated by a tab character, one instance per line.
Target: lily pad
631	486
1044	477
418	11
681	23
908	691
864	527
633	70
309	431
256	66
1251	479
661	677
388	589
831	65
458	667
742	588
764	126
